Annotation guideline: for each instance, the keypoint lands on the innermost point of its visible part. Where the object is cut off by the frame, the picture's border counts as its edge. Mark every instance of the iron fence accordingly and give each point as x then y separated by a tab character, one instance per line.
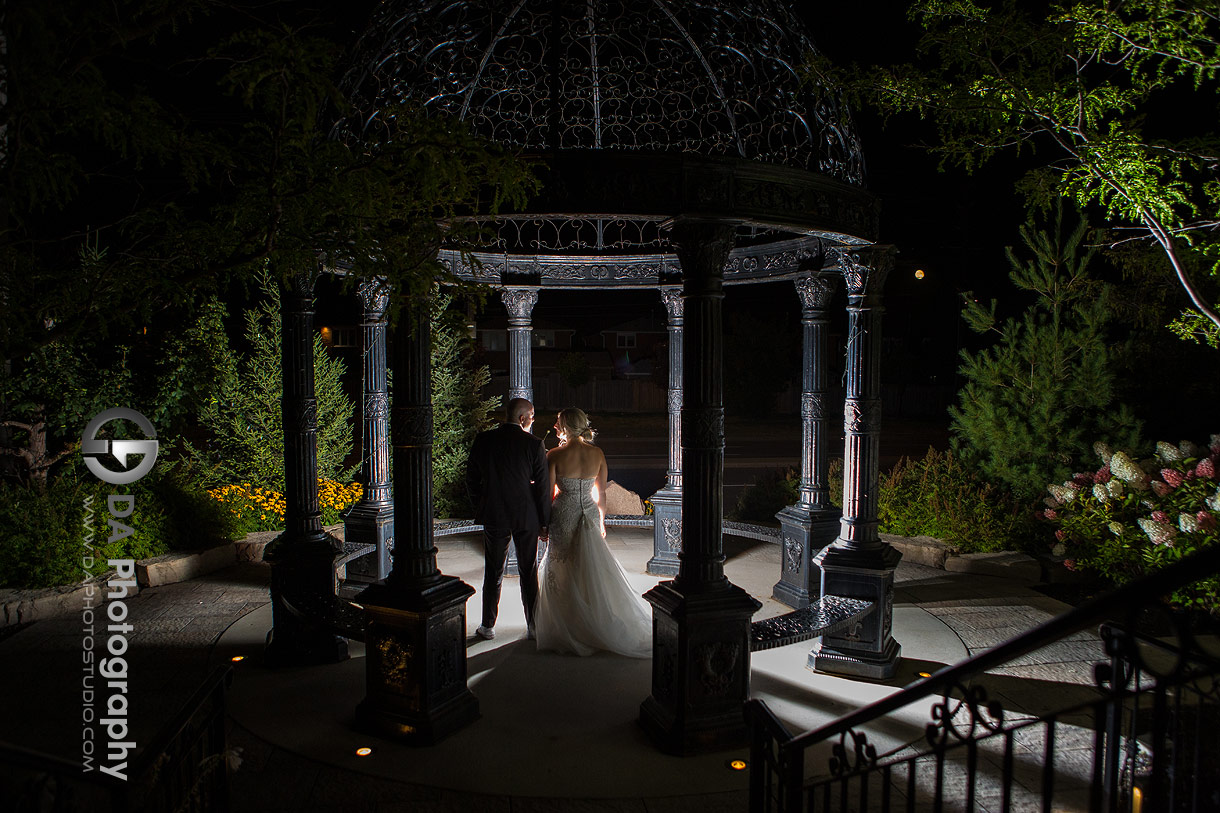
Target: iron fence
1147	742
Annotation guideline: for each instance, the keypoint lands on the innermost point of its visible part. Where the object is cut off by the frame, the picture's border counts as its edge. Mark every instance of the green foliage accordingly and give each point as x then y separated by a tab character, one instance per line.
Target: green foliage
1128	518
45	531
51	529
190	152
1034	401
47	396
574	369
942	497
769	494
459	412
1075	86
189	366
758	362
245	415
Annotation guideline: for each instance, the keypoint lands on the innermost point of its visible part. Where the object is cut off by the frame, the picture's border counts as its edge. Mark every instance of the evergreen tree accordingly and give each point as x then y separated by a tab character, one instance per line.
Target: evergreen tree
459	411
1035	402
245	418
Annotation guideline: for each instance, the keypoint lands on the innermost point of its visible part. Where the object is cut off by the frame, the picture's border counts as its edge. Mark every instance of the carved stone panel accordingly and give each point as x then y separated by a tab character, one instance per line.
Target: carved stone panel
792	553
673	533
716	666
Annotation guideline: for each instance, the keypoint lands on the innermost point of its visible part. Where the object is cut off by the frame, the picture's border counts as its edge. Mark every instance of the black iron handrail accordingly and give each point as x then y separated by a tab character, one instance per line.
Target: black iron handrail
788	760
155	784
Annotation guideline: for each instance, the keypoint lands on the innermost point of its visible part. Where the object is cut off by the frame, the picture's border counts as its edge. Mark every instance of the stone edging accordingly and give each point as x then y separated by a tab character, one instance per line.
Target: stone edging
932	552
24	606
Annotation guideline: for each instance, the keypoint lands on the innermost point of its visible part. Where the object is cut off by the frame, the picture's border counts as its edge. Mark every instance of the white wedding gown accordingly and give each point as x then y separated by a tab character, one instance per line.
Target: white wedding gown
585	602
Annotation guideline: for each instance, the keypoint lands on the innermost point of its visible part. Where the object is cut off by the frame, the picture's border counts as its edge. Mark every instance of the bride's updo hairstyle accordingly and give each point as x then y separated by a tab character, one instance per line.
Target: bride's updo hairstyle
575	424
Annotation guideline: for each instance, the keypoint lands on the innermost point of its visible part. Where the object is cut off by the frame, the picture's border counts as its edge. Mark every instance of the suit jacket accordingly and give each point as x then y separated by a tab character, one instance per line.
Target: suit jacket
506	476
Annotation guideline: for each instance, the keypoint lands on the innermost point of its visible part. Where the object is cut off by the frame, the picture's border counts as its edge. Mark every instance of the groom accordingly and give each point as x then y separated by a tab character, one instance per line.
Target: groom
507	480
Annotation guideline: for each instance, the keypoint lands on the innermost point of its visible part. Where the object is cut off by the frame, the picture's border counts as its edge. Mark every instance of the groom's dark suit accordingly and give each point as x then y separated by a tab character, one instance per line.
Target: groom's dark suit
507	479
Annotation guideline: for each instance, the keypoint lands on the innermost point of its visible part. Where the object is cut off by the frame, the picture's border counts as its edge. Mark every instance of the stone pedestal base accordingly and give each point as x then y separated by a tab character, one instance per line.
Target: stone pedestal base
415	660
666	532
370	524
302	576
803	533
867	649
700	668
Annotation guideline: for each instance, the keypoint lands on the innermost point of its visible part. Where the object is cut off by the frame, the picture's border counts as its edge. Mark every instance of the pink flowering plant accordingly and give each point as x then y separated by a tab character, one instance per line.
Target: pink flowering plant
1132	517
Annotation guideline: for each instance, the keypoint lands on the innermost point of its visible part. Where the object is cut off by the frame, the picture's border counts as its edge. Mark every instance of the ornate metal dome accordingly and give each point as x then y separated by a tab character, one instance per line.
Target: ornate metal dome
710	77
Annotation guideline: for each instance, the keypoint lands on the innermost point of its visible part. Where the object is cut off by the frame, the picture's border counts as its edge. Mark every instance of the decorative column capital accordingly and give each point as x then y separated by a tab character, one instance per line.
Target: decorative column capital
700	244
520	303
298	290
864	268
672	297
815	291
375	296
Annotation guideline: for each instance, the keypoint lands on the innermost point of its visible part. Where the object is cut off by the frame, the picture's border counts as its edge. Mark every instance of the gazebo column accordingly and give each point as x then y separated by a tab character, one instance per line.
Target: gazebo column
701	621
415	620
859	564
667	502
812	523
520	303
371	520
302	557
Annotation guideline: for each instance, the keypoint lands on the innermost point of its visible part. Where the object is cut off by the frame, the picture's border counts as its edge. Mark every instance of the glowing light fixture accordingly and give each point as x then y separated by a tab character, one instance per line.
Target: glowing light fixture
737	764
919	273
924	674
237	658
363	752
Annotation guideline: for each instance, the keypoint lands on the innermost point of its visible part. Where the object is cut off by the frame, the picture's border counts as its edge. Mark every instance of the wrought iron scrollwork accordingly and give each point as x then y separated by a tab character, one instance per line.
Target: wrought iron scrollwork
859	756
715	77
982	716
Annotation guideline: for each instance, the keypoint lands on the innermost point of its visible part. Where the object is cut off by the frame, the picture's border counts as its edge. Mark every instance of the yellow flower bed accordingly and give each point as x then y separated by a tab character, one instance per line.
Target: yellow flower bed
262	509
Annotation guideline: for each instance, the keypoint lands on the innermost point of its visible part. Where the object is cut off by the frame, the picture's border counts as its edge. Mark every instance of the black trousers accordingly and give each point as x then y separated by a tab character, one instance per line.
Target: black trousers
495	557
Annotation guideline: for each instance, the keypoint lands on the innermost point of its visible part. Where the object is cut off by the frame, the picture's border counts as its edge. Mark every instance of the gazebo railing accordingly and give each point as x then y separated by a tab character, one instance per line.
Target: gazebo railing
1150	735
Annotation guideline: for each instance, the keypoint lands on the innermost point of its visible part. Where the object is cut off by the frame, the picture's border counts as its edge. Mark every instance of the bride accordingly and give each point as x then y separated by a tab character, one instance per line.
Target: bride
585	603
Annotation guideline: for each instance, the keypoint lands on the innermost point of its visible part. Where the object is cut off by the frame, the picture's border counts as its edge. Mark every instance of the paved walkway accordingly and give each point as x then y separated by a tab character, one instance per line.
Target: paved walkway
292	725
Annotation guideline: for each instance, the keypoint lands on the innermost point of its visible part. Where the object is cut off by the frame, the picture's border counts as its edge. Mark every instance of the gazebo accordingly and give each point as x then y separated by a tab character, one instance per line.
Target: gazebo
682	151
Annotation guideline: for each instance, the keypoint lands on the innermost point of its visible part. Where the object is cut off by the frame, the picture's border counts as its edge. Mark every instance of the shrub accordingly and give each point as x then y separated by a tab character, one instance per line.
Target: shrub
1034	400
255	508
46	537
245	415
770	493
459	411
1128	519
940	496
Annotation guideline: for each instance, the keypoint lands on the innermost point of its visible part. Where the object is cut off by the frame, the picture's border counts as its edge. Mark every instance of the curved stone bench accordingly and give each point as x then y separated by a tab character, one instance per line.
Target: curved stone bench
827	615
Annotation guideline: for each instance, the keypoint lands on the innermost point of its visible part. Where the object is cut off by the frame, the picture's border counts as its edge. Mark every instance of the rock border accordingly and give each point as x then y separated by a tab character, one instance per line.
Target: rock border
24	606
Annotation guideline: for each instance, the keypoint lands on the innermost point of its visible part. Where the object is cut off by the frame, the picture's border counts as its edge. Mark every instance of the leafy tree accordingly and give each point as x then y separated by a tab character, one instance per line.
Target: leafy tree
183	146
1077	86
47	398
758	362
244	415
459	411
193	151
1034	402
